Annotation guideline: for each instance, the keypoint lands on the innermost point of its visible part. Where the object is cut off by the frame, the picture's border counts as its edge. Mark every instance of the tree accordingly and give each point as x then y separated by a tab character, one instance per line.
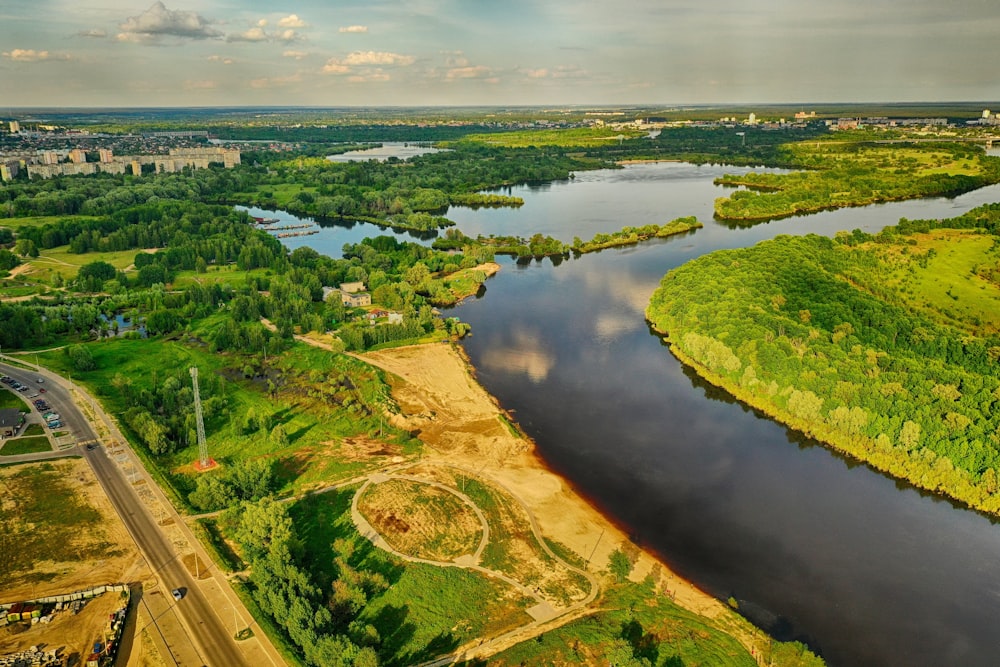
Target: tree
278	436
81	358
8	260
620	565
265	528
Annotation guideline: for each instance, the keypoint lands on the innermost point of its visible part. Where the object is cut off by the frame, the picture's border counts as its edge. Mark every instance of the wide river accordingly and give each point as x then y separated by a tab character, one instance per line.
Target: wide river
866	570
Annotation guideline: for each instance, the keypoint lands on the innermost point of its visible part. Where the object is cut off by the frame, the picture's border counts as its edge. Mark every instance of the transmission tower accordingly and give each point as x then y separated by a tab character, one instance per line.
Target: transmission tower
204	462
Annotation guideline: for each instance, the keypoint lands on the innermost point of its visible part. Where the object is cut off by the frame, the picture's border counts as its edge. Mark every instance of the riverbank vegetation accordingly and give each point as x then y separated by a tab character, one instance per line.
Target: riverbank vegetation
633	235
847	172
883	346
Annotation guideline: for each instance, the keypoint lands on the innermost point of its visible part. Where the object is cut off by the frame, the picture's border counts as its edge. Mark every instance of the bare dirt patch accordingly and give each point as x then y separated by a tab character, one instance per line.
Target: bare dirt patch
196	567
58	532
68	633
421	520
461	423
362	449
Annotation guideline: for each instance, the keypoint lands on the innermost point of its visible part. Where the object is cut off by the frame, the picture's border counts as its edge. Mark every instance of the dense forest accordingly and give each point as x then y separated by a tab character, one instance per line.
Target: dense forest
884	346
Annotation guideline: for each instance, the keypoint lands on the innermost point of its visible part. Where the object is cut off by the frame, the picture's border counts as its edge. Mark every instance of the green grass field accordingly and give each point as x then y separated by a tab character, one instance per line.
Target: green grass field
10	399
34	429
636	626
26	445
583	137
949	285
225	275
38	221
316	453
427	610
61	261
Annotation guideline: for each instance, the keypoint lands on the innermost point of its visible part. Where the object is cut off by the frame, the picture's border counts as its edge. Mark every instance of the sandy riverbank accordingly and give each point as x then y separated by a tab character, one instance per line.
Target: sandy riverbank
462	424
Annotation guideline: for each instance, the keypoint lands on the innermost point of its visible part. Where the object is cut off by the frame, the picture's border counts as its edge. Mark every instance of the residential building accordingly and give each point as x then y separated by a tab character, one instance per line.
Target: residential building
352	287
356	299
77	156
9	170
10	421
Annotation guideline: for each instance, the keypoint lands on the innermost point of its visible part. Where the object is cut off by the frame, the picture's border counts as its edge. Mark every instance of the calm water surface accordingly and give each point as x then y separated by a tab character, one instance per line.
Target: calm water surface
815	547
387	150
868	571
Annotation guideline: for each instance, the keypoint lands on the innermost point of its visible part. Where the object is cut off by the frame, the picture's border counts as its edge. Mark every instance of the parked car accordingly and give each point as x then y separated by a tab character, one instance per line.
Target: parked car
55	424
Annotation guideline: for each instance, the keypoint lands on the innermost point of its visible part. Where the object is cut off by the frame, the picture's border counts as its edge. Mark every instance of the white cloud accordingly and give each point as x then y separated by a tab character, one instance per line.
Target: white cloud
26	55
377	58
372	76
200	85
369	63
536	73
472	72
158	21
353	28
334	66
298	55
256	34
95	32
221	59
287	36
292	21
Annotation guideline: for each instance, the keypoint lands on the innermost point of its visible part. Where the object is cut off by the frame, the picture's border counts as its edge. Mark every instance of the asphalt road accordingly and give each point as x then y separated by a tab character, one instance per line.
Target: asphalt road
213	643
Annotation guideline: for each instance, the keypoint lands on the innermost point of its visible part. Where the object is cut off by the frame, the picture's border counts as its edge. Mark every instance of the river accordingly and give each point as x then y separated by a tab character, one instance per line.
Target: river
866	570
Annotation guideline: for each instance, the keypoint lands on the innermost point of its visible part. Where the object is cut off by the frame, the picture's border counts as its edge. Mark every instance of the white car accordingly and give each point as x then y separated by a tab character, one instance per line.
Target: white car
177	593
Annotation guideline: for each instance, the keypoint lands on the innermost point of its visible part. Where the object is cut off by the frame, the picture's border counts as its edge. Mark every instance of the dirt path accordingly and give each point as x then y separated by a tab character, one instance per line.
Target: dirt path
464	426
18	270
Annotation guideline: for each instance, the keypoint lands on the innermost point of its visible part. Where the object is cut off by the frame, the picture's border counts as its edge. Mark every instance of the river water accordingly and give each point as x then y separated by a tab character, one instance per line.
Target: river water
866	570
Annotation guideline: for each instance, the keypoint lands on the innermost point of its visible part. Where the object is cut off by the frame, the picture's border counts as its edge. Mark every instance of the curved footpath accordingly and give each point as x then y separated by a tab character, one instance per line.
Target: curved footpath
464	427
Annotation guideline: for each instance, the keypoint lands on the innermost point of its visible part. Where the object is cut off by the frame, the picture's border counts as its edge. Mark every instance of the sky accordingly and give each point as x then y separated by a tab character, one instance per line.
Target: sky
69	53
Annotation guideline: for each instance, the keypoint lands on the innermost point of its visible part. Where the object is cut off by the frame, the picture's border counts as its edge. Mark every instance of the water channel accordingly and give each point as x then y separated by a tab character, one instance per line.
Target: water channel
868	571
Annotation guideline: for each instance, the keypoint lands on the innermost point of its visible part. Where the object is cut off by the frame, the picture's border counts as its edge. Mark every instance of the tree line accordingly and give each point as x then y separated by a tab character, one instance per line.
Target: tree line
824	335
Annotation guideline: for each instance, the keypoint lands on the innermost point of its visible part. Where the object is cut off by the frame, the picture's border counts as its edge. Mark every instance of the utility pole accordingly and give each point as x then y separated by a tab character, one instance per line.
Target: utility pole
204	463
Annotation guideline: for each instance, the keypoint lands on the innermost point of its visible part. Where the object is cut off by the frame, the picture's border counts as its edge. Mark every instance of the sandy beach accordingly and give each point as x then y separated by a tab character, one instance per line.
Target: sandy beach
462	424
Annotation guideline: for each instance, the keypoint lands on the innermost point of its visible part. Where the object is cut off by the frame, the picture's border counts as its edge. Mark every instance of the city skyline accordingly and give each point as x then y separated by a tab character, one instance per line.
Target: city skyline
449	52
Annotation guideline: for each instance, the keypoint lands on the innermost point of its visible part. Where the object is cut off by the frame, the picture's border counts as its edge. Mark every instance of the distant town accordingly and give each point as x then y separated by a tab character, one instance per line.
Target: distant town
39	150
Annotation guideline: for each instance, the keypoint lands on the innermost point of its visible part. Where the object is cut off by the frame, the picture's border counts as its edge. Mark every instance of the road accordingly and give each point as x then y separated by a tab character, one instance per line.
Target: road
213	643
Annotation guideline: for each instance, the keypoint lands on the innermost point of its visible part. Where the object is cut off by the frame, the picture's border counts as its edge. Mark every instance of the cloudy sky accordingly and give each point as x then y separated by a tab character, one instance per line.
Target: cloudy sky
448	52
